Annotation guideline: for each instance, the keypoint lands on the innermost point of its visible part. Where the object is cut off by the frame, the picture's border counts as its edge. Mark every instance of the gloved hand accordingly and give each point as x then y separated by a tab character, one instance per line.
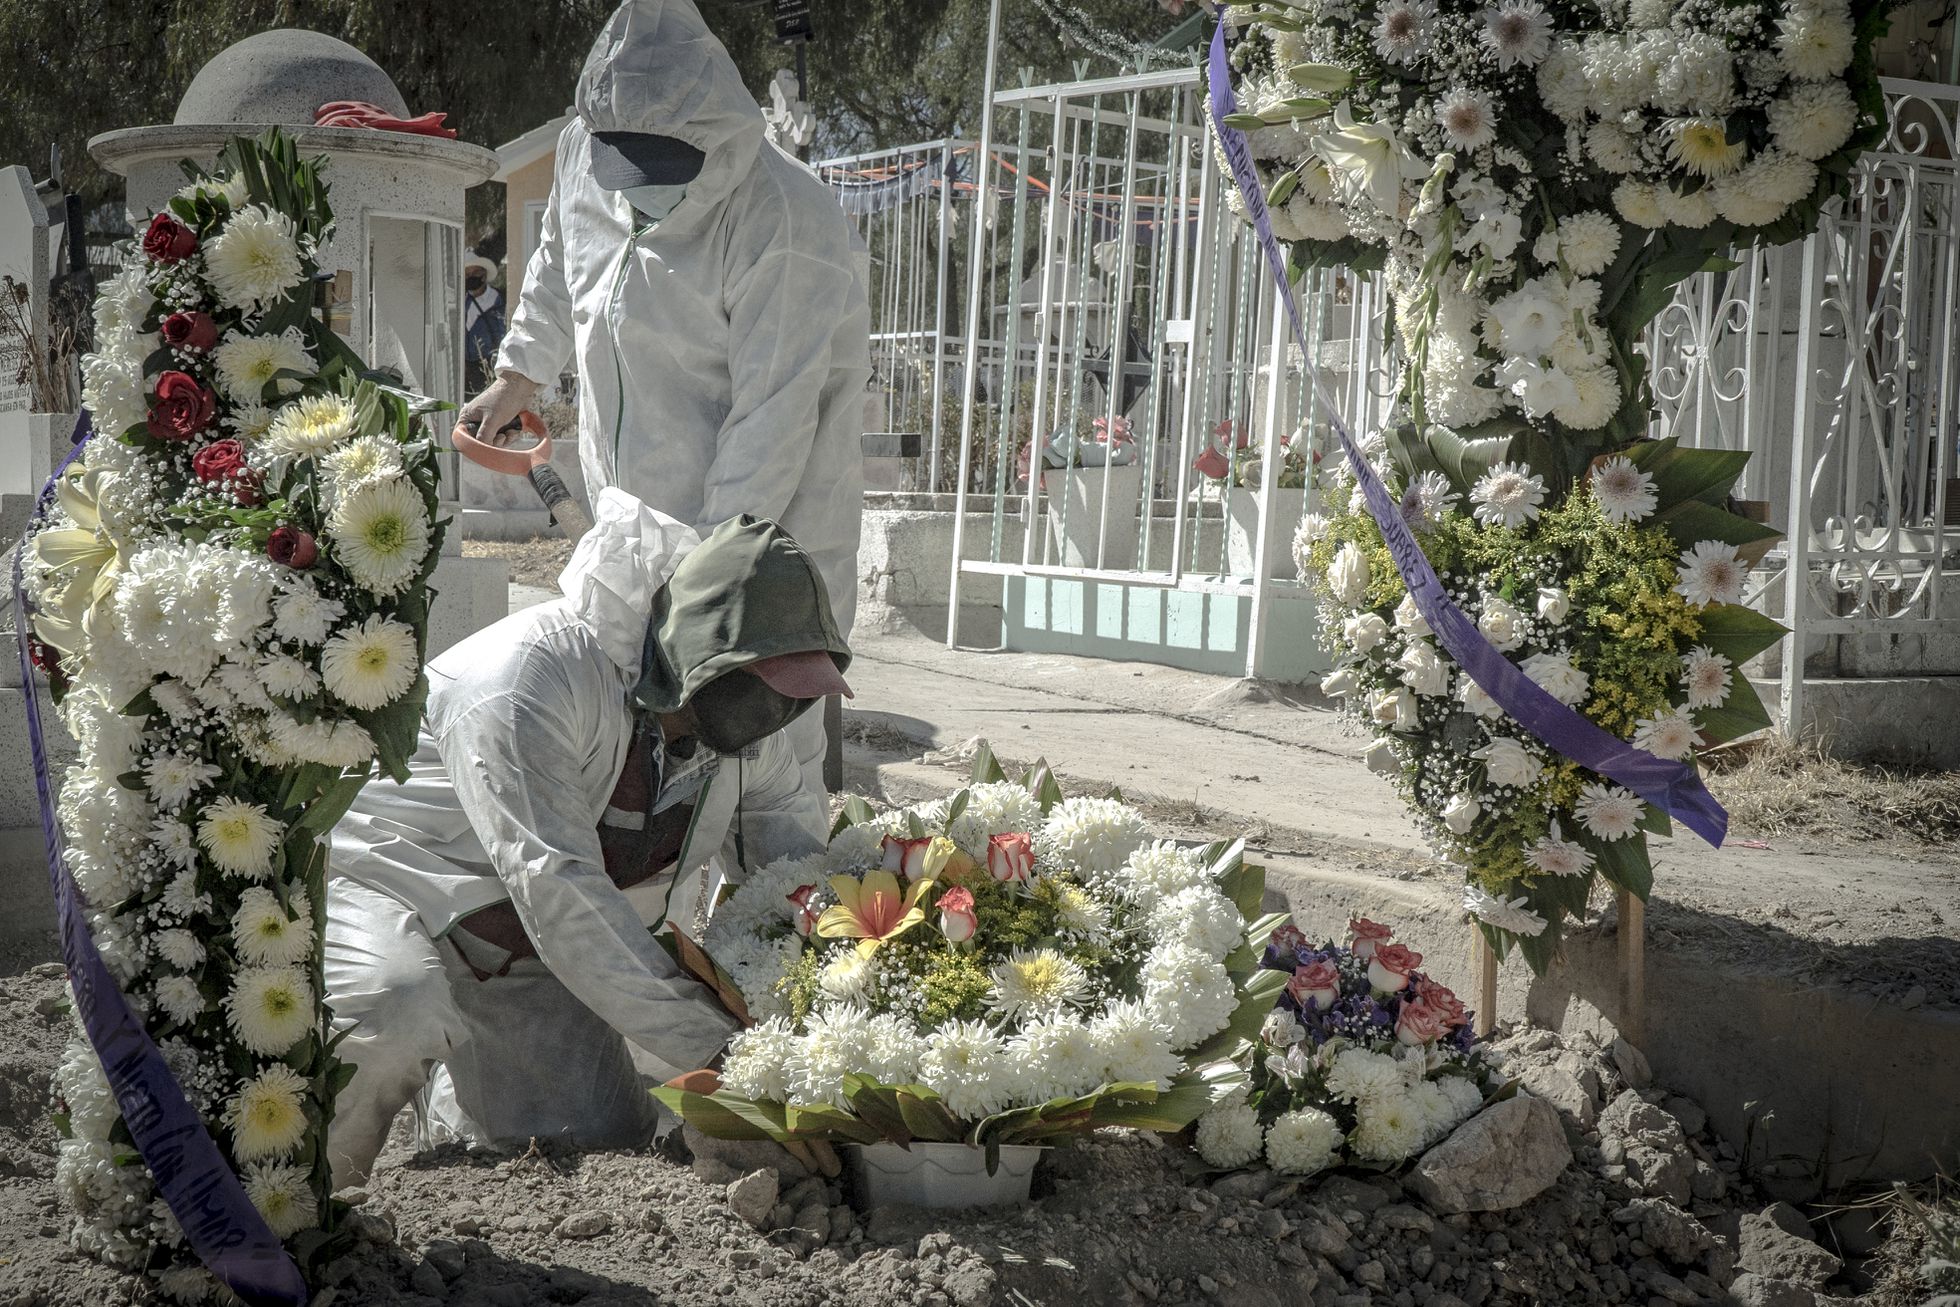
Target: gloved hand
498	406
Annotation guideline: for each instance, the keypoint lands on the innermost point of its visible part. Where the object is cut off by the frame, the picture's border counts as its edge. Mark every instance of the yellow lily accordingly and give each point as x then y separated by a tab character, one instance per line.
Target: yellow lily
89	556
873	910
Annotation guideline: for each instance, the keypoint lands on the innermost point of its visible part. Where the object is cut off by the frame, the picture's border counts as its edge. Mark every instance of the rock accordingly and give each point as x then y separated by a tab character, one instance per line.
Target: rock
1762	1291
1708	1183
971	1284
1505	1155
1631	1063
447	1256
1563	1090
1688	1112
753	1197
1770	1250
1250	1186
743	1155
1343	1193
426	1279
814	1216
1657	1157
1322	1234
713	1171
584	1225
1662	1171
1788	1219
1666	1229
842	1220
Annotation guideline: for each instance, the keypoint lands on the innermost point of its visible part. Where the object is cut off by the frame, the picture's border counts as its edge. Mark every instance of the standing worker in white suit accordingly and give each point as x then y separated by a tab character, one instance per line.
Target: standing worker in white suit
707	286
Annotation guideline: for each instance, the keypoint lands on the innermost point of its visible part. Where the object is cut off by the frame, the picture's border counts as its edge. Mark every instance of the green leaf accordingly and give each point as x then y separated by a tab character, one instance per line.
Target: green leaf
957	805
1240	881
725	1116
1040	782
1742	713
1540	949
1693	521
1257	996
856	810
1625	864
986	768
1190	1096
1738	633
1244	122
877	1106
927	1116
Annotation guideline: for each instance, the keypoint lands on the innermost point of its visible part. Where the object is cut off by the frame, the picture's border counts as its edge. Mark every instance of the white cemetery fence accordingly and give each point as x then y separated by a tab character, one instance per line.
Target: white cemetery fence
1115	282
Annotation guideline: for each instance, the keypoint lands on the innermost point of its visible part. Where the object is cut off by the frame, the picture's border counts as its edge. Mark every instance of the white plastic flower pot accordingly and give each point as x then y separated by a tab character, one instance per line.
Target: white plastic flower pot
1081	515
1242	529
940	1175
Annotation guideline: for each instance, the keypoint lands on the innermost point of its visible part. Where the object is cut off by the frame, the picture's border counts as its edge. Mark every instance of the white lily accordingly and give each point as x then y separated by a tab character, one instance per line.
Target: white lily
1369	158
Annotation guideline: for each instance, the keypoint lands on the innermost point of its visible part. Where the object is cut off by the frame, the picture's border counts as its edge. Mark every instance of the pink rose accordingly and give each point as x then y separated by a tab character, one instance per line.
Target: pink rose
907	856
957	921
1318	983
1288	939
1364	935
1420	1023
1389	969
1442	999
1010	858
805	920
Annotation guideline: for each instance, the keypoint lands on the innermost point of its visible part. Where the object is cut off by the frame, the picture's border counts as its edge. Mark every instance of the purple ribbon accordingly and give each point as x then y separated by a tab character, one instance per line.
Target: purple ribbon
203	1193
1669	785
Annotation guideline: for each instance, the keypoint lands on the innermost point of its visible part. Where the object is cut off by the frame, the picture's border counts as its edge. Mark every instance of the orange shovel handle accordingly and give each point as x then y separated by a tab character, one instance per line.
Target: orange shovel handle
511	462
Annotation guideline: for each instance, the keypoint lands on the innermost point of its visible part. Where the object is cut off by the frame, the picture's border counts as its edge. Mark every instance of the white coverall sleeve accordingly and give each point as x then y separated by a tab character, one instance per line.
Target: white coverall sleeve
779	816
538	337
782	315
514	758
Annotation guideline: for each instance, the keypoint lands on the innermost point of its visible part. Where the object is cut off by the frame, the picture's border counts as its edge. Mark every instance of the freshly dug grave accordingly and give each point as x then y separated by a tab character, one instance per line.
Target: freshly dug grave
1650	1211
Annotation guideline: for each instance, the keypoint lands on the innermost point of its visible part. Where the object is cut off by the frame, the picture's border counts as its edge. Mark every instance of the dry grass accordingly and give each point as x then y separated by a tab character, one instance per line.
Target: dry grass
1776	786
536	561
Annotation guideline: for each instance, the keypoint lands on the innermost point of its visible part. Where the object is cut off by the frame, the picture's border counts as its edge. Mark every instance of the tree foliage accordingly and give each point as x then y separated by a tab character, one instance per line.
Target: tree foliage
881	72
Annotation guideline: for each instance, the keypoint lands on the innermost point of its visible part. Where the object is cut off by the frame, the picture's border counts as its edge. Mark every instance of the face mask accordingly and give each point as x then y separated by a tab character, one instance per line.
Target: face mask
474	282
656	202
734	711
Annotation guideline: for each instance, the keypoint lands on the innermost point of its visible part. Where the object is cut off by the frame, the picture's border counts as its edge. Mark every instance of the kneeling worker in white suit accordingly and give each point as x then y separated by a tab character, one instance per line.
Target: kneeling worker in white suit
582	764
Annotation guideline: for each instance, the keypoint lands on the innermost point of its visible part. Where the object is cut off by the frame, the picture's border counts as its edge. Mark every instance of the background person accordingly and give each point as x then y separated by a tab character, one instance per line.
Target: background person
483	320
706	284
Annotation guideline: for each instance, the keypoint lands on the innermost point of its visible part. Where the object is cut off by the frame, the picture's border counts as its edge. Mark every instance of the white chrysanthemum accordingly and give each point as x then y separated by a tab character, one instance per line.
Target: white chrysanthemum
855	848
361	462
1427	499
1815	41
340	744
370	665
267	1118
266	934
836	1041
757	1065
1055	1057
309	427
1389	1128
1624	492
1093	836
1517	32
287	677
255	259
1402	29
1201	917
1765	189
1608	812
270	1008
1230	1136
1670	734
1079	912
247	364
182	898
1438	1112
965	1063
1595	399
1588	242
1557	856
1702	147
1705	677
186	1284
1562	82
249	422
1467	120
1813	119
1190	993
1360	1076
180	998
1639	202
304	615
179	948
1513	914
1159	870
381	535
1463	1095
849	977
1510	493
895	1050
1691	209
122	302
1036	981
283	1196
1698	76
240	837
1135	1047
173	776
1304	1142
1711	573
994	808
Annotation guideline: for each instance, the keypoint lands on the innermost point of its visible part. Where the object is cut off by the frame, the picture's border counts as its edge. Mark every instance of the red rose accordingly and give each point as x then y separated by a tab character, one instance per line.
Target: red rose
292	547
219	461
182	407
169	241
190	331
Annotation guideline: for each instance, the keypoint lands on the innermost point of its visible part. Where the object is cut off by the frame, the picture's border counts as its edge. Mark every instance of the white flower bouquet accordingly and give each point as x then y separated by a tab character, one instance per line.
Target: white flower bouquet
1365	1061
1004	966
229	595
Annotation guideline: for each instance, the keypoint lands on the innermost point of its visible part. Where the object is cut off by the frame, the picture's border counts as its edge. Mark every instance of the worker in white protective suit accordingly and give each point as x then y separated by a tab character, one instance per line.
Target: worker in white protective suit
707	285
585	766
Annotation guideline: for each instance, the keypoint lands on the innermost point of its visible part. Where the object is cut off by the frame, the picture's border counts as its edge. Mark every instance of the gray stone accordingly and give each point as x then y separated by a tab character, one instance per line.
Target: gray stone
1657	1156
1770	1250
1666	1229
1504	1156
584	1225
1631	1063
1558	1086
1688	1112
1250	1186
1344	1192
744	1155
447	1256
1788	1219
1322	1235
713	1171
1762	1291
753	1197
282	76
426	1279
